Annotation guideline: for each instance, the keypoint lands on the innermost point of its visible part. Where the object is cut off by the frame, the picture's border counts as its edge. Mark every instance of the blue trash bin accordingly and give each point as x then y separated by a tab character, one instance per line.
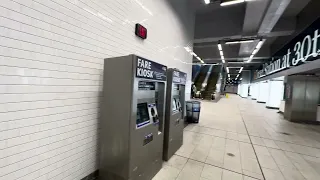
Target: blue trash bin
193	111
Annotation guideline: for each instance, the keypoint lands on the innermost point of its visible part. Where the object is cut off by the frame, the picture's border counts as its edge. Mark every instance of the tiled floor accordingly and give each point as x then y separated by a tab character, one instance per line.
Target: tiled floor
239	139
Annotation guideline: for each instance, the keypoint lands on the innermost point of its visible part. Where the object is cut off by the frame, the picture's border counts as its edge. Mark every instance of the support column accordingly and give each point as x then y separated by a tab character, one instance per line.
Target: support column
302	98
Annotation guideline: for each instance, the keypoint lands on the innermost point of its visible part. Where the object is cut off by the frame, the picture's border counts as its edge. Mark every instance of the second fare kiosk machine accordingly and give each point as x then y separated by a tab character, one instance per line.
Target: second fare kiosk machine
132	124
175	112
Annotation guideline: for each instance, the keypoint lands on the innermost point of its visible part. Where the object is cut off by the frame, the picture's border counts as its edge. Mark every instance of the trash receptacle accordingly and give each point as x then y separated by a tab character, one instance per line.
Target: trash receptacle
193	111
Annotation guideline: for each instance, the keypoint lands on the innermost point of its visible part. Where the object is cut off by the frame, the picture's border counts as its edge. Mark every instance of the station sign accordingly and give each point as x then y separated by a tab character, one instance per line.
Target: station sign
150	70
303	48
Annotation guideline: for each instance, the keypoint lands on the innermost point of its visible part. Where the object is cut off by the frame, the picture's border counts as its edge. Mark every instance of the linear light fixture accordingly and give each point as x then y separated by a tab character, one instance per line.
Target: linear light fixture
259	44
239	42
240	70
228	3
256	50
187	49
227	70
221	53
231	2
207	1
193	54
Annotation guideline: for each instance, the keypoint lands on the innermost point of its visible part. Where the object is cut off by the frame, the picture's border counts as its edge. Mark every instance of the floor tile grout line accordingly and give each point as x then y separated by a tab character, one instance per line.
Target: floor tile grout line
252	143
253	148
181	168
278	165
219	137
212	141
280	133
283	151
283	141
219	129
258	136
217	167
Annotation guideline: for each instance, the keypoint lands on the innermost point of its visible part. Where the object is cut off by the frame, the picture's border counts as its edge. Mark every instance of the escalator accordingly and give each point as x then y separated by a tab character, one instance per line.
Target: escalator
211	83
201	77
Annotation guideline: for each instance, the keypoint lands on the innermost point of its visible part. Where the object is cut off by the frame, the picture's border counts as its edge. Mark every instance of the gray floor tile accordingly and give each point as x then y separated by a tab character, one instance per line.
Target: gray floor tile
211	172
177	162
223	129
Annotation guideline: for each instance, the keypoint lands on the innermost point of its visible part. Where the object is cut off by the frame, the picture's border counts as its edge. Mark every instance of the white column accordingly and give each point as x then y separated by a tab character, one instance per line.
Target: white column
244	90
263	92
276	90
239	89
252	91
256	91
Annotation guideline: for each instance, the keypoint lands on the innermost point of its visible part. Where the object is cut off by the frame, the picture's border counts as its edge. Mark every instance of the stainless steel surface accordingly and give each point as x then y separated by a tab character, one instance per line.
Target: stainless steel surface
302	93
124	154
174	119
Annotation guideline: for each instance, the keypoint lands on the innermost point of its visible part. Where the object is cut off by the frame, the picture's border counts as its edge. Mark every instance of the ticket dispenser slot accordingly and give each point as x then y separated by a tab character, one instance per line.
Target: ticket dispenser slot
174	118
132	122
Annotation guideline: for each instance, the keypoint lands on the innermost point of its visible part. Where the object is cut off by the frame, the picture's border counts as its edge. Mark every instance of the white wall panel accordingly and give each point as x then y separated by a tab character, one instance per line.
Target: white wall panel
263	92
51	67
276	90
244	90
255	91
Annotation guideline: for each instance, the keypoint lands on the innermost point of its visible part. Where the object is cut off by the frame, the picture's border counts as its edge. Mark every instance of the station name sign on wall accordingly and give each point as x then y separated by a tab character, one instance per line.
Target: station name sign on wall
305	47
150	70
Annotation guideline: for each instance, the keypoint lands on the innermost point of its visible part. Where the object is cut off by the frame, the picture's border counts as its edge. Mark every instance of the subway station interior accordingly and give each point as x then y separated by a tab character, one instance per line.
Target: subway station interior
159	90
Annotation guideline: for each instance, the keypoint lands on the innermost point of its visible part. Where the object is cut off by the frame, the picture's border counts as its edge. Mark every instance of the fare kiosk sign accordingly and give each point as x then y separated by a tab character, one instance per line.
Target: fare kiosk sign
150	70
179	77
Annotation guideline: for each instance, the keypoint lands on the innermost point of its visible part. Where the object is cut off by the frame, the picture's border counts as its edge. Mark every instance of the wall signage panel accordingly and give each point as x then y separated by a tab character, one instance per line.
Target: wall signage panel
179	77
305	47
150	70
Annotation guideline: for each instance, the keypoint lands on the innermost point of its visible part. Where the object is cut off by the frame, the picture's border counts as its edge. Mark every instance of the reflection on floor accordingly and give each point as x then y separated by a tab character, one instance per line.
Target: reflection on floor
239	139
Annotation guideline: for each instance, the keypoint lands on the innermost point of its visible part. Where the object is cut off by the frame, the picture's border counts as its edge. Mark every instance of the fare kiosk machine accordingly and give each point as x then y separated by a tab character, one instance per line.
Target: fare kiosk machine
132	123
175	110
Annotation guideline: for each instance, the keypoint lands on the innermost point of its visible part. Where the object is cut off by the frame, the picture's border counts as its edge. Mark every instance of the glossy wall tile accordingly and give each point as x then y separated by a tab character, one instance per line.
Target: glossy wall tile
51	66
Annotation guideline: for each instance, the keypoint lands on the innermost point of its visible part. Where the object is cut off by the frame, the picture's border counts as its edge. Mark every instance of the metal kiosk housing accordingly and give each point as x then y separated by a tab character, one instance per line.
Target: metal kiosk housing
175	112
132	123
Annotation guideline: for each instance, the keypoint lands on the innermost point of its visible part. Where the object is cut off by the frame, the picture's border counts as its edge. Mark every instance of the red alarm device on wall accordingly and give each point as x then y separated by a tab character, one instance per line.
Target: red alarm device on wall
141	31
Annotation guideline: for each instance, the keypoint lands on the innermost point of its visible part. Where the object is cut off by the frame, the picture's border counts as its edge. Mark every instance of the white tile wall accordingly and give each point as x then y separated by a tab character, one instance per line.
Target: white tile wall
51	66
